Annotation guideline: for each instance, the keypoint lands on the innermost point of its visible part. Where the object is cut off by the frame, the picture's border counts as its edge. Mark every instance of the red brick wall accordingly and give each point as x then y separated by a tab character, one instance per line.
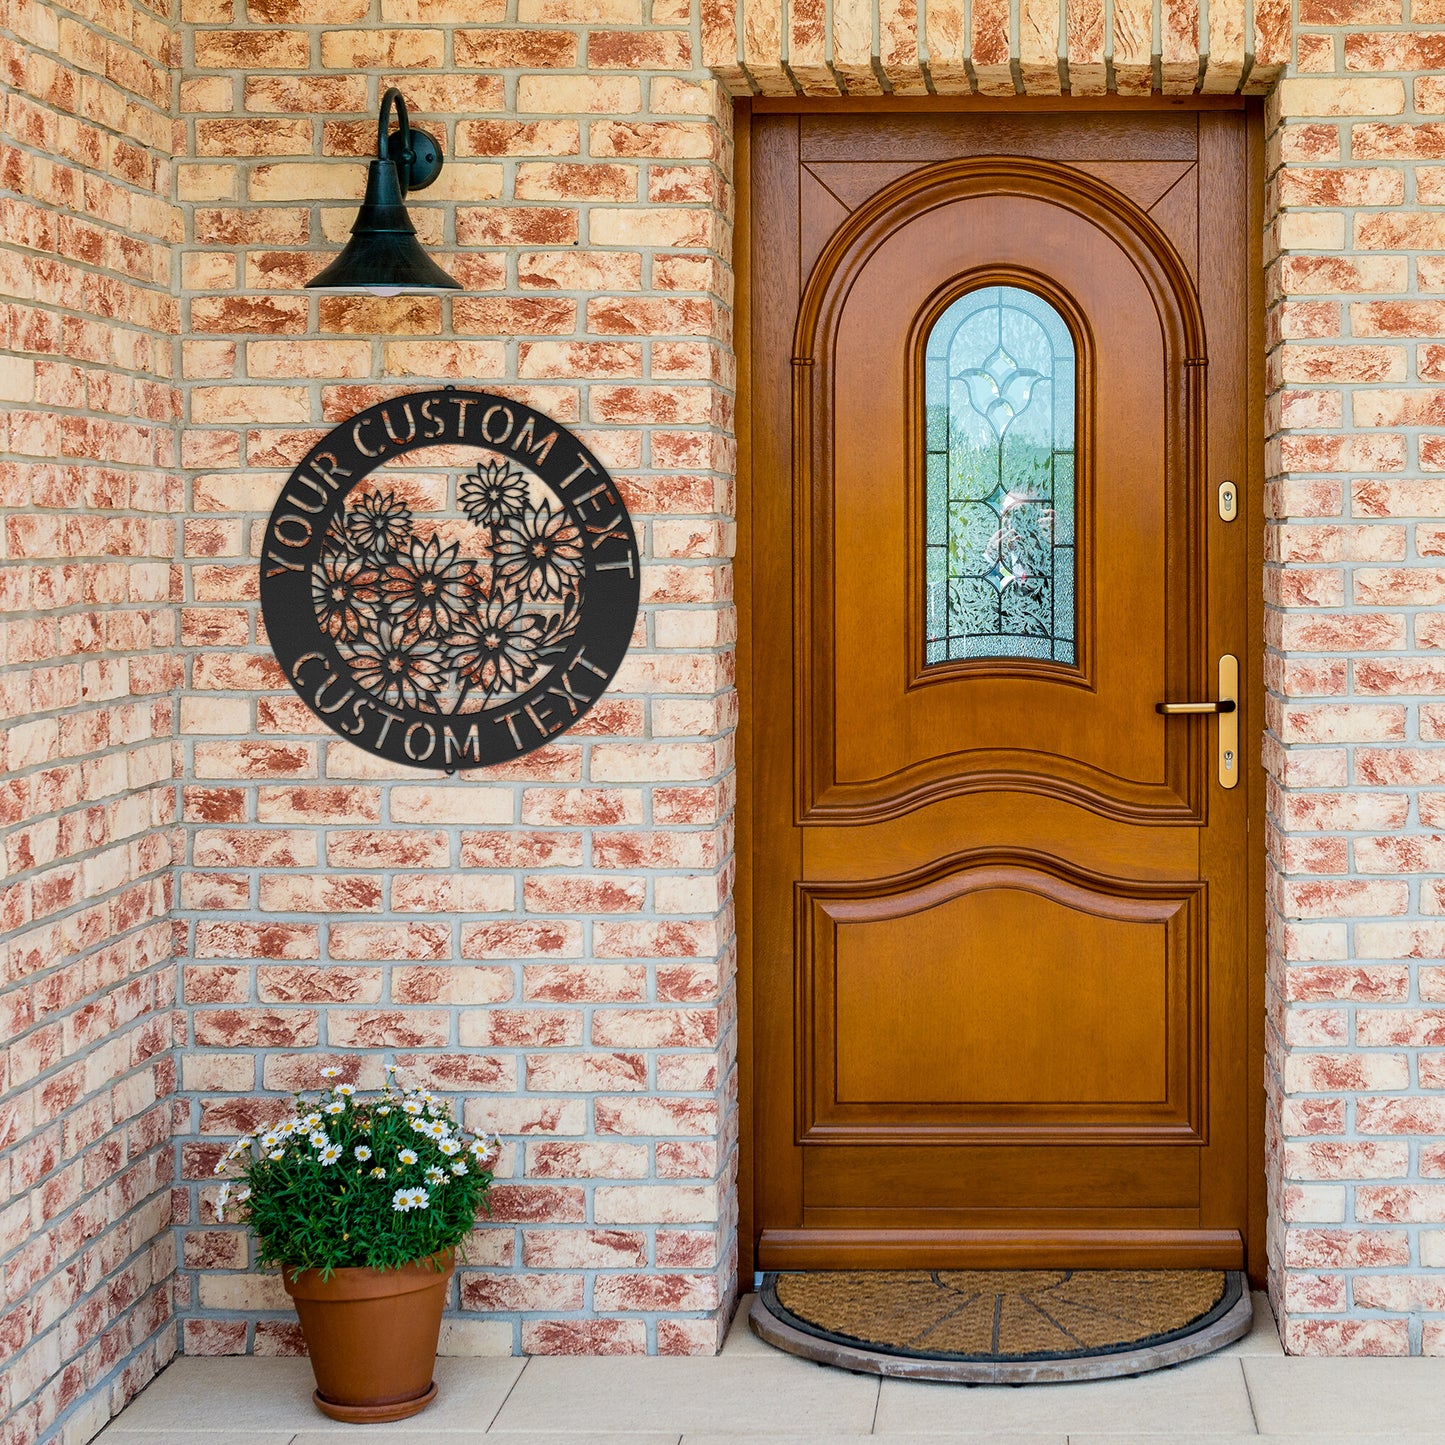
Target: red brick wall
1354	583
552	942
90	498
549	941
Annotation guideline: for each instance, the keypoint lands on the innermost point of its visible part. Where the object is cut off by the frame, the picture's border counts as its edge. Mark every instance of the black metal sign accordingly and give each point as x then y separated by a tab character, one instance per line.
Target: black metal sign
449	579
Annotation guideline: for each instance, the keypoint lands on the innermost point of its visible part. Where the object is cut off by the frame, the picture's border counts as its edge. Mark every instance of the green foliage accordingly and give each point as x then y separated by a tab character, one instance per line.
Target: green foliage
378	1181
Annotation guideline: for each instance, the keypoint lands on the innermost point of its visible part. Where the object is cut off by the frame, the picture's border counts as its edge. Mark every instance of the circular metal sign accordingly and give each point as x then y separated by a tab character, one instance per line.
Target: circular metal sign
449	579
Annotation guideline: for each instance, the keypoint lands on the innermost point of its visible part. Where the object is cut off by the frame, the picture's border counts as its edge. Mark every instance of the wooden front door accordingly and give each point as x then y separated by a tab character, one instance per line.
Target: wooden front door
1001	904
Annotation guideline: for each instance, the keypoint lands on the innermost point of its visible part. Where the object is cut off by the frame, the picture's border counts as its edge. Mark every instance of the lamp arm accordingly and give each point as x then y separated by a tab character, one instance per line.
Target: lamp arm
393	97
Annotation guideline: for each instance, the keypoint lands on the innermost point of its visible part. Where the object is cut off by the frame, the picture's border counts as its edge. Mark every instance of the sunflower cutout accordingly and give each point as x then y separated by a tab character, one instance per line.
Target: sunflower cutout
424	625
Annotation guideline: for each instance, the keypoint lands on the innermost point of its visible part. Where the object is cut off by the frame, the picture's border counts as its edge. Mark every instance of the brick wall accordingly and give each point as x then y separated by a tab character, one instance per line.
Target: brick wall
89	494
1356	1071
997	48
550	942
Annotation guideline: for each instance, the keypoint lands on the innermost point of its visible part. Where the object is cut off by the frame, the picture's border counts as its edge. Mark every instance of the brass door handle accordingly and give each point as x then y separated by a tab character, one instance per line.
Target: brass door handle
1174	709
1227	705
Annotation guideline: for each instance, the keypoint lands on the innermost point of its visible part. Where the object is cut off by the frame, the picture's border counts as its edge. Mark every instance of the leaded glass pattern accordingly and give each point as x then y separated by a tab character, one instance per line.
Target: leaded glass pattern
999	395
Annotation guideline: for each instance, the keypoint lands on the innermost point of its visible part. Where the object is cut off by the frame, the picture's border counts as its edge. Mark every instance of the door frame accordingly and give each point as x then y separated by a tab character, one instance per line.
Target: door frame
1253	517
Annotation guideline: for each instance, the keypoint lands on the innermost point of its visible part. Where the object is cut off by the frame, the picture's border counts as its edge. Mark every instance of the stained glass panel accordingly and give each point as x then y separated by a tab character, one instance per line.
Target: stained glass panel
999	382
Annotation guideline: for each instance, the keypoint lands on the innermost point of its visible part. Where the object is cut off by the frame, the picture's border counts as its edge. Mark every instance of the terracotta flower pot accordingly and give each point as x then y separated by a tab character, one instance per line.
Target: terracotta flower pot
372	1336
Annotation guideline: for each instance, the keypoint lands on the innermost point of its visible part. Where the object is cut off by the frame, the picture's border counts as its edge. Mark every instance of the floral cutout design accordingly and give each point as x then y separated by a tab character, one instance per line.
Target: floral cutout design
423	624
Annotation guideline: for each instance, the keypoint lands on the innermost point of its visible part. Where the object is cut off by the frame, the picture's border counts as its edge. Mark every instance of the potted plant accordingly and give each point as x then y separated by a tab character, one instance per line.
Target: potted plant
362	1202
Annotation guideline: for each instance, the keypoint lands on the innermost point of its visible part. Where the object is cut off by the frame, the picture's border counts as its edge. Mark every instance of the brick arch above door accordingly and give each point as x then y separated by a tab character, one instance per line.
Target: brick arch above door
996	47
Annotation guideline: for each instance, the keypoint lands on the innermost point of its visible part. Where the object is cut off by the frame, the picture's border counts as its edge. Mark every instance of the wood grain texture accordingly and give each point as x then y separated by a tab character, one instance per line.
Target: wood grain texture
1002	1248
1010	1016
890	939
1134	135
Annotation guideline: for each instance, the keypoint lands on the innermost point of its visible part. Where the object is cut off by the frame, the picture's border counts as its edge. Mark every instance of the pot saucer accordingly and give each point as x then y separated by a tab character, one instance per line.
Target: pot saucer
375	1414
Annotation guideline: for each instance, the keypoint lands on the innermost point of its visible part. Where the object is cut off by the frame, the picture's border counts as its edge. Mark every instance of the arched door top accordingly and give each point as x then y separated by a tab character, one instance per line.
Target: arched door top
1136	233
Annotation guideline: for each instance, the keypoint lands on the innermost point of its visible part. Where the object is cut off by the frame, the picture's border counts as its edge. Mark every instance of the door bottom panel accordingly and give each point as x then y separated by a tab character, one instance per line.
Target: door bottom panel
785	1249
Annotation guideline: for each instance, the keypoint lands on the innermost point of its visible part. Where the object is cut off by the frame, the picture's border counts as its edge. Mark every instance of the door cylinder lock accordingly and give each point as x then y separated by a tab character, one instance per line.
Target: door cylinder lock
1228	501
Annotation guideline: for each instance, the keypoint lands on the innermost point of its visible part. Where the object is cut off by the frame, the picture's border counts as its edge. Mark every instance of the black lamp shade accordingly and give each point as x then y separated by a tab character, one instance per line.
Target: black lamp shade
383	255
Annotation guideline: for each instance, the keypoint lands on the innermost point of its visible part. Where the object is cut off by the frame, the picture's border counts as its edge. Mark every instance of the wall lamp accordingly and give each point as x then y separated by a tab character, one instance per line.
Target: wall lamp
383	255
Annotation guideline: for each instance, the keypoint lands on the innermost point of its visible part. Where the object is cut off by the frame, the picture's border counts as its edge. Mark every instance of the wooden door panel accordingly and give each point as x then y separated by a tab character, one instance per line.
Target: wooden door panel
820	210
832	188
984	1179
1049	728
1026	1003
1177	214
1132	136
1144	182
999	902
1156	1239
1013	1000
988	819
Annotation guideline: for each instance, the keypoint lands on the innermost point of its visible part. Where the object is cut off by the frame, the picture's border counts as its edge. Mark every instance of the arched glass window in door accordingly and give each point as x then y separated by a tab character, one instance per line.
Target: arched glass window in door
1000	384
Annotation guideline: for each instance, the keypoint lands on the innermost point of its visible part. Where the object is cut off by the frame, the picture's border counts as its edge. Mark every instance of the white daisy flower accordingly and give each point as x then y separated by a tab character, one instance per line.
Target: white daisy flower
435	1175
242	1195
289	1127
270	1139
220	1165
378	1172
335	1107
362	1152
459	1167
401	1201
319	1139
221	1200
385	1109
330	1073
437	1129
345	1090
392	1068
277	1154
331	1154
450	1146
413	1106
311	1120
407	1156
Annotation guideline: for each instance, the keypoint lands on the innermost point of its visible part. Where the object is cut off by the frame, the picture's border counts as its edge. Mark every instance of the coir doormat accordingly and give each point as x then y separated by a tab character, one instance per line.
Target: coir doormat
1003	1326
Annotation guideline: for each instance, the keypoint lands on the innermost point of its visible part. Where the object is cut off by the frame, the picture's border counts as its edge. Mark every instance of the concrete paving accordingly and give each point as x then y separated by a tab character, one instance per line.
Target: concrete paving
1249	1391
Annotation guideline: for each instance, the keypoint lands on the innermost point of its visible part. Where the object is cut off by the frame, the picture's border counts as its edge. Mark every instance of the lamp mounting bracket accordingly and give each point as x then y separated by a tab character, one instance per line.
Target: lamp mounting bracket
417	157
